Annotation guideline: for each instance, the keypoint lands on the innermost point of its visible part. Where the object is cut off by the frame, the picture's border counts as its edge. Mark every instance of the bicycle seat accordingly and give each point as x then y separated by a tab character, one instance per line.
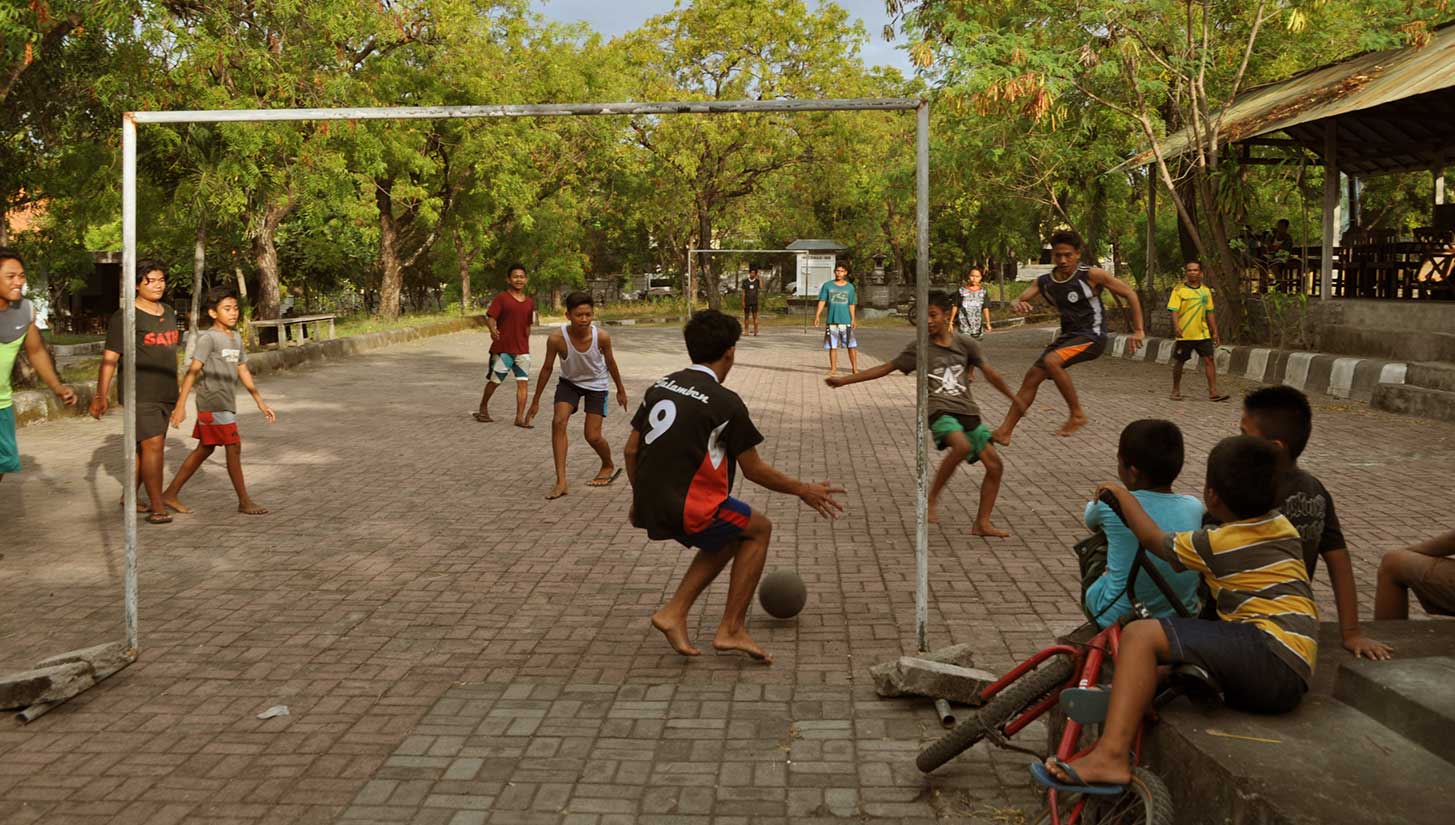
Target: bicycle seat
1197	684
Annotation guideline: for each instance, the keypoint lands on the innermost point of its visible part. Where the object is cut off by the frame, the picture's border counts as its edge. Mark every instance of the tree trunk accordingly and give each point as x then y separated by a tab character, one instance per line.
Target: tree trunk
462	260
392	282
4	226
265	253
199	265
1187	194
708	270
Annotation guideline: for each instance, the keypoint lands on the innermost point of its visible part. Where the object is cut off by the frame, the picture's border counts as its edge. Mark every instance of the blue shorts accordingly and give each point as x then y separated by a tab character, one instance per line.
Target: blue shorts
9	449
1238	656
727	527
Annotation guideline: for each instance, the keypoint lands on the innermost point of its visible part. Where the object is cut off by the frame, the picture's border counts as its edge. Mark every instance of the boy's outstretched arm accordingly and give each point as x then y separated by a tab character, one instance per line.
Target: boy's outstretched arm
818	496
998	382
880	371
1120	289
1023	303
553	349
1346	604
245	375
41	361
610	355
1148	534
179	412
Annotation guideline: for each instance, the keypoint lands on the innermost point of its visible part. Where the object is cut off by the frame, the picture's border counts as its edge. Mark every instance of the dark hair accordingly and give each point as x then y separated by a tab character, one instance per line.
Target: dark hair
147	267
218	294
943	300
710	334
1068	237
1283	414
576	299
1245	473
8	254
841	265
514	267
1282	221
1154	447
973	270
1194	261
752	267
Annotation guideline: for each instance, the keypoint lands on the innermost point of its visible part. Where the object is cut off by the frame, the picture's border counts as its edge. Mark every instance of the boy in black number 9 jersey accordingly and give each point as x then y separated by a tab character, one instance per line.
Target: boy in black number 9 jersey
688	436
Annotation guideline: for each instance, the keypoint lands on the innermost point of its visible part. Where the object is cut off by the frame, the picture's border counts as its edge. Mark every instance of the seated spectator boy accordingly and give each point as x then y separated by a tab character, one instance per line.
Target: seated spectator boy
1261	652
1149	458
1426	568
1282	415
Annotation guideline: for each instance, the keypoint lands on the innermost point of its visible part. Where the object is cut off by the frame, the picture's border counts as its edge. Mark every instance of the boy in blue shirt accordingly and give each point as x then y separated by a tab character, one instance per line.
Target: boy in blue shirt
839	297
1149	459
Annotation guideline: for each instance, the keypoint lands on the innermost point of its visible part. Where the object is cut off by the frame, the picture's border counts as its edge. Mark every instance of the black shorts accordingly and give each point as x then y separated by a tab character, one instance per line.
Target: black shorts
750	306
1238	656
153	418
568	393
1184	349
1074	348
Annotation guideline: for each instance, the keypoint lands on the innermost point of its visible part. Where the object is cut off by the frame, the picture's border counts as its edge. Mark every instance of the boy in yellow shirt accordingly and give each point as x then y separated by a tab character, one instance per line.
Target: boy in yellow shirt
1191	304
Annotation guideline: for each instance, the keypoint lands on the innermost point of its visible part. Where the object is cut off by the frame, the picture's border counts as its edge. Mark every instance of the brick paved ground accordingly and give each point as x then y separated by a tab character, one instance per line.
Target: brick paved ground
454	649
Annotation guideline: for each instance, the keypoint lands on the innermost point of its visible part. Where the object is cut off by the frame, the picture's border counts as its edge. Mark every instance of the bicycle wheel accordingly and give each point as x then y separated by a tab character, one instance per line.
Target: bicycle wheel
1019	695
1146	802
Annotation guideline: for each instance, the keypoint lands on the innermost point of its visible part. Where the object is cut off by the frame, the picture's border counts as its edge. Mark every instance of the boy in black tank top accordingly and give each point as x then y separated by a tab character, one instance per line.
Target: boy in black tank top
1074	289
751	287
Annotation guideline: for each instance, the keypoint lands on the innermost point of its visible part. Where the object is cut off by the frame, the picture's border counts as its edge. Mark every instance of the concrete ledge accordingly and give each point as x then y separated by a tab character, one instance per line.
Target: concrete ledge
32	406
1411	400
1313	372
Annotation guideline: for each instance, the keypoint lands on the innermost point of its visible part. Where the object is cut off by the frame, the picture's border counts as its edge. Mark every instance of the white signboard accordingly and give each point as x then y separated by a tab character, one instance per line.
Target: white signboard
813	272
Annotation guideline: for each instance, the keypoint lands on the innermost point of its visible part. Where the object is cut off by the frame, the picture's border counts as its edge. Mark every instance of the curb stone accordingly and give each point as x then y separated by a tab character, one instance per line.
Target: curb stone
1338	376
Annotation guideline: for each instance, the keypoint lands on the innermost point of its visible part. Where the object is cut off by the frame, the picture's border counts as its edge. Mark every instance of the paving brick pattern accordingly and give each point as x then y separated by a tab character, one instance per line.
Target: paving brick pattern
454	649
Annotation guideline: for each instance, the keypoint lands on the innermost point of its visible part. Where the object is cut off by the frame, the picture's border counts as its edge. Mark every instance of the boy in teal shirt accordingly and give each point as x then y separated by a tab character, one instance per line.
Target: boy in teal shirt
18	332
839	297
1149	458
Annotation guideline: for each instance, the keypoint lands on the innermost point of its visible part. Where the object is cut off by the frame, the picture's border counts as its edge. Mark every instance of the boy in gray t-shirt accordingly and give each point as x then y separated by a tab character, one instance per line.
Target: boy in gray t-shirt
954	416
219	364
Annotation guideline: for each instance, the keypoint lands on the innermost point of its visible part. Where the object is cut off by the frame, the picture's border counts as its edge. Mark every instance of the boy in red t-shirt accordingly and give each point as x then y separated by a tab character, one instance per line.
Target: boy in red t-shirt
509	317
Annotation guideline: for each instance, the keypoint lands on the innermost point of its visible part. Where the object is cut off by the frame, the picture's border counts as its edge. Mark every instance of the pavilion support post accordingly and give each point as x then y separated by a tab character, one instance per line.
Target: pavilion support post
1331	209
1439	176
1356	211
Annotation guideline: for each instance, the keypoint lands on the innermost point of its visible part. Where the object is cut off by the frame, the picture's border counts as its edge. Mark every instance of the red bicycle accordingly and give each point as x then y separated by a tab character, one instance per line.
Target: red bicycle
1066	680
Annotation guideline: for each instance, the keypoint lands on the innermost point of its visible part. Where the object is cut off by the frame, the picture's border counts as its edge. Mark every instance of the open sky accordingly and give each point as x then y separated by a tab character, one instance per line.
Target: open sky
613	17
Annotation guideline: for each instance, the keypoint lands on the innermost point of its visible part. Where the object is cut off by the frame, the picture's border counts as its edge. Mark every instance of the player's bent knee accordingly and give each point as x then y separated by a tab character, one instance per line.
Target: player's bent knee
759	526
1396	565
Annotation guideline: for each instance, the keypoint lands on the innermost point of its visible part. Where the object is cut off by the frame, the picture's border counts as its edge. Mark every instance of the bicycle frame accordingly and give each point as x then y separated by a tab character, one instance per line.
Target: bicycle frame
1090	675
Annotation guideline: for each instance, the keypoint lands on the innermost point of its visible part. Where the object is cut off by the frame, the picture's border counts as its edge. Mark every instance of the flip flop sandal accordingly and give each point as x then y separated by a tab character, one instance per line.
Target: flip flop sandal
605	482
1044	777
159	518
483	419
1220	398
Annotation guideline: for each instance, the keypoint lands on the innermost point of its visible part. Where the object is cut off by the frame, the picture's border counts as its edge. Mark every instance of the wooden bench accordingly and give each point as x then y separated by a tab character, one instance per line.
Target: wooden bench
299	323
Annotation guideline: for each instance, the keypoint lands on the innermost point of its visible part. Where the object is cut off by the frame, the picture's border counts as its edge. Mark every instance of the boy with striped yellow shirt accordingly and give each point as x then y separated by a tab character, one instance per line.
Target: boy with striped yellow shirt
1261	653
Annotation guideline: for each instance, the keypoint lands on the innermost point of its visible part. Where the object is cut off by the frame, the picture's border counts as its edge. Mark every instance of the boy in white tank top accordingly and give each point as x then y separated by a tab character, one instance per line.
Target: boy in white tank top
587	363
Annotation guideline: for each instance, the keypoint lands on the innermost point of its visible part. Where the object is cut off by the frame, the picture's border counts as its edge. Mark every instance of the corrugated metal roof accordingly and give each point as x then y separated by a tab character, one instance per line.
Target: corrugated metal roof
1339	90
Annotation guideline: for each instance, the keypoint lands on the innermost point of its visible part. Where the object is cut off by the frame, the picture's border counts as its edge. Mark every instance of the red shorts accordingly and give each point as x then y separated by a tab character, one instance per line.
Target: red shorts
216	429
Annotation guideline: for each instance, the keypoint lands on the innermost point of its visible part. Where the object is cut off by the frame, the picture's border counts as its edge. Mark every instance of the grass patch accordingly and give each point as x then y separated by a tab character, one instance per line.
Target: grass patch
364	324
66	339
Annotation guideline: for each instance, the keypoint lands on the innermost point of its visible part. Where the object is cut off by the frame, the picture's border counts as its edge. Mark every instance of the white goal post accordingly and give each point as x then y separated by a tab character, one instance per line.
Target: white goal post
130	120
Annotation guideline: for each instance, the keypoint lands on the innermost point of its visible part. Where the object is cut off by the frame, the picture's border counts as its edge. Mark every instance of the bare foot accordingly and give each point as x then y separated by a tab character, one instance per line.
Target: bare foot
604	477
740	642
524	425
249	507
1095	769
676	632
985	529
141	506
483	417
1001	437
557	491
176	504
1176	396
1072	424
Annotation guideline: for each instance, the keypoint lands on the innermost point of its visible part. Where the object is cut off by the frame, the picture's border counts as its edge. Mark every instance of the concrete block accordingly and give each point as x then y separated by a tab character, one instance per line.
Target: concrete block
908	676
49	684
102	658
1412	400
1432	375
1411	697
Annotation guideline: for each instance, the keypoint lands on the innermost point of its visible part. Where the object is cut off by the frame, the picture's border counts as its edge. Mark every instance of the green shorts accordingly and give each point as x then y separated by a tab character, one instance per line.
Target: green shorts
9	450
945	423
